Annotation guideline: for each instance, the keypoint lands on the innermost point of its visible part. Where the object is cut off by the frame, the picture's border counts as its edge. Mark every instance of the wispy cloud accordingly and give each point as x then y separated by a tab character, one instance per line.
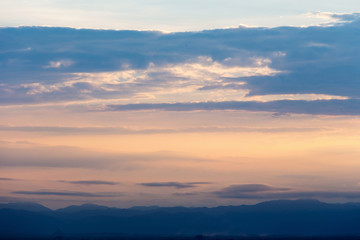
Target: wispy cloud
259	191
335	18
90	182
178	185
59	64
124	131
9	179
66	194
326	107
154	82
72	157
247	190
185	194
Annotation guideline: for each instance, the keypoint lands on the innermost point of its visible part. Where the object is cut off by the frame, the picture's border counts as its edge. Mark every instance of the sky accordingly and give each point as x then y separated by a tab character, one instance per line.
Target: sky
169	15
192	103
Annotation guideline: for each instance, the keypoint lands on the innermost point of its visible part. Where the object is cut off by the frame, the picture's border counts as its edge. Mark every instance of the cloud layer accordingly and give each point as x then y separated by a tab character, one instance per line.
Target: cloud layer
260	191
178	185
65	194
90	182
275	69
129	131
326	107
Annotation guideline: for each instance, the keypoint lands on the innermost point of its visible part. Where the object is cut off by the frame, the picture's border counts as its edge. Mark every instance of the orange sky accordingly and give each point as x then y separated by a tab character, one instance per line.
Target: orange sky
302	152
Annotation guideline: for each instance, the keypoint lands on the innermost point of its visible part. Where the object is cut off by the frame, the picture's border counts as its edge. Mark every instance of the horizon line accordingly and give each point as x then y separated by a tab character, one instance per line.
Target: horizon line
176	206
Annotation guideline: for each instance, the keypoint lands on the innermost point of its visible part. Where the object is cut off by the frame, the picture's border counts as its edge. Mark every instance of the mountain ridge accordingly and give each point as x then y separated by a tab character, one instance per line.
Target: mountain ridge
280	217
92	206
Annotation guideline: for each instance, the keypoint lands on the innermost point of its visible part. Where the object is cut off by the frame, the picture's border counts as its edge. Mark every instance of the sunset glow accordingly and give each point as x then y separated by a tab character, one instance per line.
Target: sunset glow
227	116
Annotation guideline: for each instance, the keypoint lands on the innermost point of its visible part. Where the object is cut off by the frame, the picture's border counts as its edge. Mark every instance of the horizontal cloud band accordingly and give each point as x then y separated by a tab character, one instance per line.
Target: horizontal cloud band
66	194
326	107
217	65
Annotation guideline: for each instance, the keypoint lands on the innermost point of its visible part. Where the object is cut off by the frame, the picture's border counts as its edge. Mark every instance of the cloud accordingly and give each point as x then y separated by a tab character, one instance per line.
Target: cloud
124	131
65	194
336	17
90	182
178	185
156	81
246	190
296	195
59	64
290	67
259	191
199	183
72	157
9	179
326	107
185	194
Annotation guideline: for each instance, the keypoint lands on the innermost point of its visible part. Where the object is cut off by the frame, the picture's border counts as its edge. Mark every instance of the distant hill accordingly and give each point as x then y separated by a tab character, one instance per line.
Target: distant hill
29	206
84	207
280	218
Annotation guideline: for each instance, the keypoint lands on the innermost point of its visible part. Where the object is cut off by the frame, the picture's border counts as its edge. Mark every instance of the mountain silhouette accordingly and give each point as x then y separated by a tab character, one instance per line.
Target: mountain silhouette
283	217
83	207
28	206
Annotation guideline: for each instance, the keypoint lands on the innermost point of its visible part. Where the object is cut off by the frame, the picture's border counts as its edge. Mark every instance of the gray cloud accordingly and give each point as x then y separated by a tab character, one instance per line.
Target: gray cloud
313	60
185	194
294	195
259	191
318	194
124	131
65	194
348	17
172	184
246	190
199	183
90	182
8	179
326	107
71	157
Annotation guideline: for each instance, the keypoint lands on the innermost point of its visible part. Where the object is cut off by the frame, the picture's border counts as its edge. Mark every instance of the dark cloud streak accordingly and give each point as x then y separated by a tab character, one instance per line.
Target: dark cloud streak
318	107
90	182
125	131
64	194
71	157
9	179
178	185
259	191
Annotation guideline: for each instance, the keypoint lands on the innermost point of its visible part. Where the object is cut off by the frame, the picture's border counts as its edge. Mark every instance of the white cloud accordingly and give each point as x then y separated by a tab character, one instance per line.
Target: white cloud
200	79
60	63
331	18
305	97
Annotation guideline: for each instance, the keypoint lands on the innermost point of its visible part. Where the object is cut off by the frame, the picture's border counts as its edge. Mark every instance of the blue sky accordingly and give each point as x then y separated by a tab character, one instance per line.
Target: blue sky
168	15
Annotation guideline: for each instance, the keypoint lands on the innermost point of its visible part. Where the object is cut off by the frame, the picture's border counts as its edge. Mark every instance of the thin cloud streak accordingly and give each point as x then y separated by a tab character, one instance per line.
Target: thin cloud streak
129	131
90	182
9	179
66	194
319	107
259	191
72	157
178	185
